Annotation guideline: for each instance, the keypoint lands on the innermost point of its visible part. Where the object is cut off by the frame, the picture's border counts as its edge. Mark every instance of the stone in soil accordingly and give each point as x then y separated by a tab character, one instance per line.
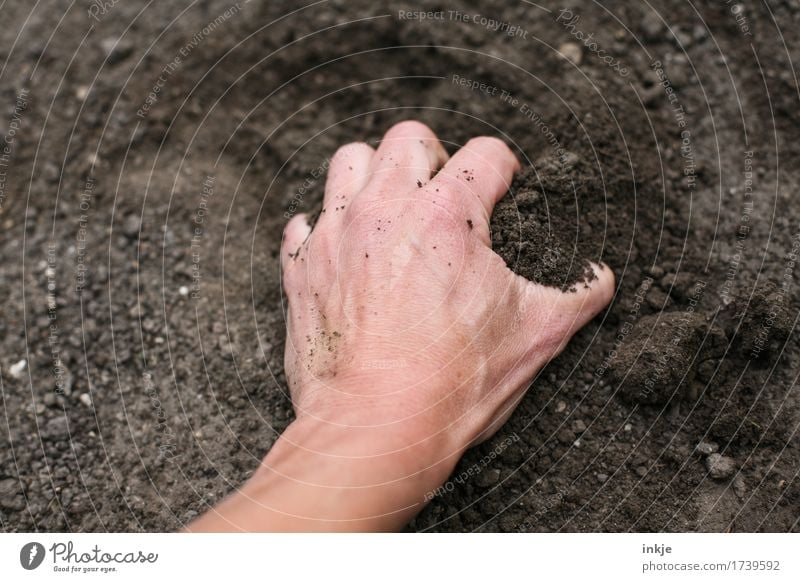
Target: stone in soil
706	448
720	467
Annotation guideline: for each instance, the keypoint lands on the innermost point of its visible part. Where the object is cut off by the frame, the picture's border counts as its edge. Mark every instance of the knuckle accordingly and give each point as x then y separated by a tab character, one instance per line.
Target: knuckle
349	150
409	127
485	142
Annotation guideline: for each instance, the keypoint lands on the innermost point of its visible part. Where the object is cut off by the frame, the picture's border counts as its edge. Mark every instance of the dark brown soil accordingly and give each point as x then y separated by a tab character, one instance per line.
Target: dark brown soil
140	275
534	228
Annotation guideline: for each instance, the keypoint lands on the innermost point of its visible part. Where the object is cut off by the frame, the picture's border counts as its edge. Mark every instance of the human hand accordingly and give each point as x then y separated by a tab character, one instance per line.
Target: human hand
400	314
409	339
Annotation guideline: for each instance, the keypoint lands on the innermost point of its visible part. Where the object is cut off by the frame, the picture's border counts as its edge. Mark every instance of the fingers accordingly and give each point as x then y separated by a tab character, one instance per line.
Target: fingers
409	154
295	234
476	178
349	172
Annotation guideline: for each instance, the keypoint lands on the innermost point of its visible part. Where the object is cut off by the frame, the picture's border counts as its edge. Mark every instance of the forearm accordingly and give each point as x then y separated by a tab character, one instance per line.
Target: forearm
323	477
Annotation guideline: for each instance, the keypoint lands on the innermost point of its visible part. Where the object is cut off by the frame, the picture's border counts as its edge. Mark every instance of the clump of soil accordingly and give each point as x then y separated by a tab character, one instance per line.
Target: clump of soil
762	321
659	359
543	229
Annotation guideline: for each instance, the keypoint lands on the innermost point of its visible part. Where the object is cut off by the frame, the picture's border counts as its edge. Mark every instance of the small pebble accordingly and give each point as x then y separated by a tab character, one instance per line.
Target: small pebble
86	400
739	487
706	448
628	427
117	49
17	369
699	32
652	26
720	467
572	52
131	226
561	406
56	428
184	290
602	477
228	348
683	38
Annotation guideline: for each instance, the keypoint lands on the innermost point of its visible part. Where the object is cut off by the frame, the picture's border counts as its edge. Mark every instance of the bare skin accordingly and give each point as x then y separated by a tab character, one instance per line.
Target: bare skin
409	339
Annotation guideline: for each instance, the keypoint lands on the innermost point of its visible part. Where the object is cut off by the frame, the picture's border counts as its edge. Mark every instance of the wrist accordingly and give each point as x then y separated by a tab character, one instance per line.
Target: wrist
332	477
349	458
382	413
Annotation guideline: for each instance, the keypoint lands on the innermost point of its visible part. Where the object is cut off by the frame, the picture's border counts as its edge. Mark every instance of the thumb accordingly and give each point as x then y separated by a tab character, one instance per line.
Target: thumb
565	312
